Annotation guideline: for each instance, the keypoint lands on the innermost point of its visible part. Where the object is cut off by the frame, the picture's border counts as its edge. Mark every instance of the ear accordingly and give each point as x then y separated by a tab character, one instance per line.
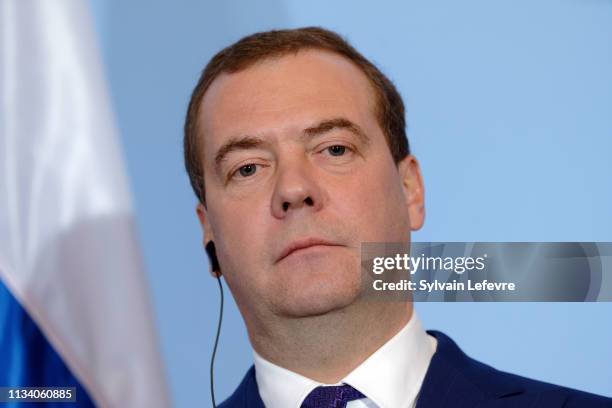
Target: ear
414	191
207	233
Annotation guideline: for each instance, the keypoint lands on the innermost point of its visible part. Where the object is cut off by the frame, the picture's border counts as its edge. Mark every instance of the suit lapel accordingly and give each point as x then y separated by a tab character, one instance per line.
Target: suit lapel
253	399
455	380
445	386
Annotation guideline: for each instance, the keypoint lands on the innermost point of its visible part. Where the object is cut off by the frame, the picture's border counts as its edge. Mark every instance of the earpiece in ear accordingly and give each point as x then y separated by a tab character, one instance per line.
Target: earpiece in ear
212	257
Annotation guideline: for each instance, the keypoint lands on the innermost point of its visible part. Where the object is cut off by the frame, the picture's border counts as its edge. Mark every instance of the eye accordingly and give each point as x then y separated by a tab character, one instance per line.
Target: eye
336	150
246	170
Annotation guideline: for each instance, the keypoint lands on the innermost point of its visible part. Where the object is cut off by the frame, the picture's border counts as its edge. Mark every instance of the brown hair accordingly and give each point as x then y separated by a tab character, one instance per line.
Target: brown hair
259	46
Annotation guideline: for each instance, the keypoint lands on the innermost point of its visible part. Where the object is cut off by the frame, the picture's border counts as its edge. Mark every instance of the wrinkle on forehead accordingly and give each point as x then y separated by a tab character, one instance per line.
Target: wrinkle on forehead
284	94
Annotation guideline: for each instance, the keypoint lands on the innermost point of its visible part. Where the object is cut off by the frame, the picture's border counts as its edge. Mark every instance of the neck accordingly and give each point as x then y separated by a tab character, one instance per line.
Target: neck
327	347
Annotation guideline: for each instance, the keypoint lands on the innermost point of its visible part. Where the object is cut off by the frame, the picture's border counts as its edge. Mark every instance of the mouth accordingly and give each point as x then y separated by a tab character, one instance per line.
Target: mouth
302	244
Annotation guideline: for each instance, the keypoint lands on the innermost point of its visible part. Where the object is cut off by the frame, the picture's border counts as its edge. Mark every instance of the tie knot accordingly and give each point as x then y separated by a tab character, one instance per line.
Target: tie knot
331	397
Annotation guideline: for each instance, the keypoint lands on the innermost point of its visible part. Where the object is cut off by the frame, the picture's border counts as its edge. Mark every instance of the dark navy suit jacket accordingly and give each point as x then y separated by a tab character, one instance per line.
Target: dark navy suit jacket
455	380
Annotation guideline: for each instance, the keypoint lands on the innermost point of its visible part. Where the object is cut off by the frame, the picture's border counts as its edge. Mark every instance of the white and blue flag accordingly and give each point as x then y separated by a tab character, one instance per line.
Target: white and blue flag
74	300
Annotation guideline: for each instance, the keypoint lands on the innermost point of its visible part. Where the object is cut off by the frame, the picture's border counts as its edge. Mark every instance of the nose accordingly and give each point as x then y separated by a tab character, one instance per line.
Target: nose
296	188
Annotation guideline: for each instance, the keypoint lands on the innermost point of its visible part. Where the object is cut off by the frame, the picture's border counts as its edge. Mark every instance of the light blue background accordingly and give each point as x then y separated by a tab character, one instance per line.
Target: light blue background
509	109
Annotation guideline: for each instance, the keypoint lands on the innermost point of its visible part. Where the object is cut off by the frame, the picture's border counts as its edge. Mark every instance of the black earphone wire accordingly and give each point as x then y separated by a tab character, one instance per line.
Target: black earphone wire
212	359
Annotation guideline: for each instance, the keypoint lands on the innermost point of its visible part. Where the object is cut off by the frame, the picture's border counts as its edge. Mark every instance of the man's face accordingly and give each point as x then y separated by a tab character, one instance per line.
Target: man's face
294	157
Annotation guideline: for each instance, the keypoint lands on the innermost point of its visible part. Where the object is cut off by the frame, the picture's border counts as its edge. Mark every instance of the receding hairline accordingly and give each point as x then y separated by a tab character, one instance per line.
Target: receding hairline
375	103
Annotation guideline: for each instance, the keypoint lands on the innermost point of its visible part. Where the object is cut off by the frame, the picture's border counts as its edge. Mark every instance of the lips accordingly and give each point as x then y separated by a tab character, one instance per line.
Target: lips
303	243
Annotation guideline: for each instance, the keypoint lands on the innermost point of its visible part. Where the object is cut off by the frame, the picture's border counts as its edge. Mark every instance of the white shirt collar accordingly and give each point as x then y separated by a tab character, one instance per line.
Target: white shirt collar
391	377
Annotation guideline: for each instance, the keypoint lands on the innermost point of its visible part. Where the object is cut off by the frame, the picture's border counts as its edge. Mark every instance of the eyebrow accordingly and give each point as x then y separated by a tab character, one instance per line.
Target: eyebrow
252	142
236	143
337	123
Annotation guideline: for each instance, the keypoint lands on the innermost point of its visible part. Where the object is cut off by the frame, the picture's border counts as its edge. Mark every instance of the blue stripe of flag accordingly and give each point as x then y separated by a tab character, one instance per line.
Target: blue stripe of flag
28	360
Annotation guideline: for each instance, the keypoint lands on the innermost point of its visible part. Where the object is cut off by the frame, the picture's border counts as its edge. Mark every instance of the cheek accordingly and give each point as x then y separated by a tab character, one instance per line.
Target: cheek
239	231
241	252
377	205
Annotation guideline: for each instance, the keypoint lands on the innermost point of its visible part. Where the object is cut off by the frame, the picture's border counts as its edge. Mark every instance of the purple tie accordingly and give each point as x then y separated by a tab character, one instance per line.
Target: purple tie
331	397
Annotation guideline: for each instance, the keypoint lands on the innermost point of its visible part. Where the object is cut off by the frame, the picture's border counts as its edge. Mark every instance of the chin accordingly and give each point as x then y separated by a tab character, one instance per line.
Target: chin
318	293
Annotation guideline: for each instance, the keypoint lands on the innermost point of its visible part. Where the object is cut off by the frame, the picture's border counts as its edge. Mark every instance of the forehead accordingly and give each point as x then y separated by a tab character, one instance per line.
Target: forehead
280	95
